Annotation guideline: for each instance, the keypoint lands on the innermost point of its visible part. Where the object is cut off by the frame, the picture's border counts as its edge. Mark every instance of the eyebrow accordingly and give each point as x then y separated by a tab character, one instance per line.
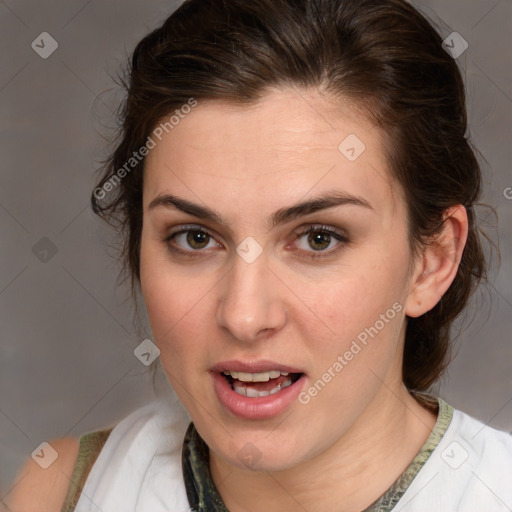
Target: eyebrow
281	216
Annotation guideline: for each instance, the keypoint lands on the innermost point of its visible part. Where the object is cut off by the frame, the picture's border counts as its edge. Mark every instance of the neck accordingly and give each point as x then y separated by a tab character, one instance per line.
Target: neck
347	477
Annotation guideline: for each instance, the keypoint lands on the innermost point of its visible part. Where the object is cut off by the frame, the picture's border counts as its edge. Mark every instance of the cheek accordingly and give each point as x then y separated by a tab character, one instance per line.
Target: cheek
355	297
170	303
360	308
179	306
165	297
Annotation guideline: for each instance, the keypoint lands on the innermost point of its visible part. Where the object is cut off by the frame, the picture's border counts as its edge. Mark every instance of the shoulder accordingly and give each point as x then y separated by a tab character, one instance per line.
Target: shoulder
470	468
481	436
37	489
479	458
491	448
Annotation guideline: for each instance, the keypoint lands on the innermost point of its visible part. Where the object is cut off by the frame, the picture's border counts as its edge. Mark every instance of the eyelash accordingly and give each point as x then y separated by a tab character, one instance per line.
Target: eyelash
185	229
314	255
326	230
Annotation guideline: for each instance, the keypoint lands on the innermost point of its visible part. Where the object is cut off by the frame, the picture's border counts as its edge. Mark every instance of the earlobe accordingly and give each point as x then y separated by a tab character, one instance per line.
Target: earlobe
437	266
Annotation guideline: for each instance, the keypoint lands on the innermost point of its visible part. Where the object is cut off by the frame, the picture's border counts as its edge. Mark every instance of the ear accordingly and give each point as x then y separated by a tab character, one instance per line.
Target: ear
436	267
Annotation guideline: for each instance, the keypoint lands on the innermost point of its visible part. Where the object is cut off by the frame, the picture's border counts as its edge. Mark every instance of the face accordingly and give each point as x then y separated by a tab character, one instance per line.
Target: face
274	249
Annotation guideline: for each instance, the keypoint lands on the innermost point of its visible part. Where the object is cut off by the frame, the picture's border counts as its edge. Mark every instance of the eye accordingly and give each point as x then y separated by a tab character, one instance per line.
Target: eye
320	240
190	239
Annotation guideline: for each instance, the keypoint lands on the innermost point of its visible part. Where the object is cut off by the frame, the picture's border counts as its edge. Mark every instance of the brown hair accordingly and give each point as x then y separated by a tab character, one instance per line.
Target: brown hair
382	54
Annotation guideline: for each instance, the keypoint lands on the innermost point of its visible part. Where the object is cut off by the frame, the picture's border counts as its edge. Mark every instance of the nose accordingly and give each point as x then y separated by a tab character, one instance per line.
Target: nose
249	306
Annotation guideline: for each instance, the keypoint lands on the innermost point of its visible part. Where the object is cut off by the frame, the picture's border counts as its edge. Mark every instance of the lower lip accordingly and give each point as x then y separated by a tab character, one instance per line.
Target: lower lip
260	408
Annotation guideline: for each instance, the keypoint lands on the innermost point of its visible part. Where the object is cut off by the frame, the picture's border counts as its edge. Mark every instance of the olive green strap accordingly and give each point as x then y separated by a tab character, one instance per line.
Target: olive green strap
90	447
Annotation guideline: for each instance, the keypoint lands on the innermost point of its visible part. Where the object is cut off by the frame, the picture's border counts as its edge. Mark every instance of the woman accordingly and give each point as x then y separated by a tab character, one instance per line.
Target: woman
297	190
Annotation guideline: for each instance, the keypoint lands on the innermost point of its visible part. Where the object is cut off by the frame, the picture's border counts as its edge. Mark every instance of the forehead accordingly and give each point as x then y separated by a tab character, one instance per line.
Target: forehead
287	145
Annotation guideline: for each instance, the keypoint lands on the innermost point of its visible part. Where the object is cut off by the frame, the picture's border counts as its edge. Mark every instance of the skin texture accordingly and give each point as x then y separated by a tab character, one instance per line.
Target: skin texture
345	447
44	490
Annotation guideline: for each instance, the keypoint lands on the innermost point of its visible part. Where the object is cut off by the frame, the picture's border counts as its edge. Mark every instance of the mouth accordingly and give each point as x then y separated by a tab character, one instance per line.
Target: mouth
261	384
257	390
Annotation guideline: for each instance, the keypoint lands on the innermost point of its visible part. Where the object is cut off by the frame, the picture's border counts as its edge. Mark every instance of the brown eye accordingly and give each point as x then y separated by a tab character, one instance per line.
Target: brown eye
191	240
197	239
318	240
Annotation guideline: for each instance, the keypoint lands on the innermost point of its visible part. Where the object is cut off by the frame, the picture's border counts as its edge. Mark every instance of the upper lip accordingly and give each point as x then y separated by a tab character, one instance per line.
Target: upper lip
253	367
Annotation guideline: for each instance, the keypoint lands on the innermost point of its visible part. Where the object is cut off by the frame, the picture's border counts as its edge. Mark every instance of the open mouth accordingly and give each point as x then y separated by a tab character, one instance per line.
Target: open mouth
257	385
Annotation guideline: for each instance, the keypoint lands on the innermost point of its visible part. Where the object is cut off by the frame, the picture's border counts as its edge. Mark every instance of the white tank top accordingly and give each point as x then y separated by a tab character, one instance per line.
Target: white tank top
139	468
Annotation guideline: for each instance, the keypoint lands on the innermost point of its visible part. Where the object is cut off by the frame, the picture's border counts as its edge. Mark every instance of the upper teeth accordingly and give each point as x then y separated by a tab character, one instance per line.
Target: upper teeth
255	377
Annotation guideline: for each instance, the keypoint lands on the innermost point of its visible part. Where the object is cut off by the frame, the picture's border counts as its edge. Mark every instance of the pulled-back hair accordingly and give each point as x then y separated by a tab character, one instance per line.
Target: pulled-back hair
381	54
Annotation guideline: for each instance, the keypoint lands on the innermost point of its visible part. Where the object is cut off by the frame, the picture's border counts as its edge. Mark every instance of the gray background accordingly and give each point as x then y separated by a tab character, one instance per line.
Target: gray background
67	339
